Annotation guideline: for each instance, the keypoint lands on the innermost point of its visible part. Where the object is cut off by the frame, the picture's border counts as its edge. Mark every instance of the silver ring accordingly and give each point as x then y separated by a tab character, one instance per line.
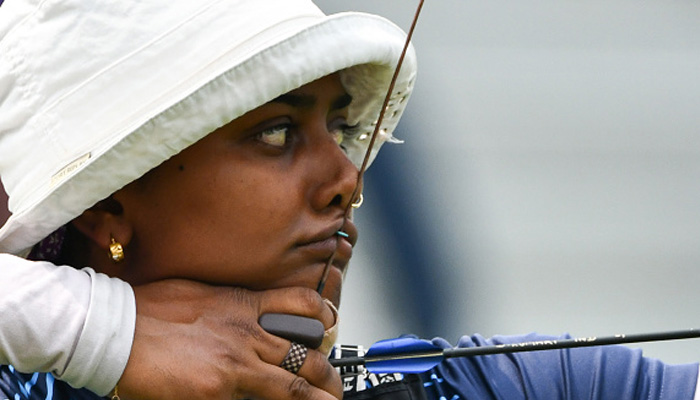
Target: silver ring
295	358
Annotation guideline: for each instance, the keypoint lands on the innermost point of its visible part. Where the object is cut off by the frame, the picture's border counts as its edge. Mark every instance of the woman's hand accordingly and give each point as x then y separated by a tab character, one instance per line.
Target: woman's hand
197	341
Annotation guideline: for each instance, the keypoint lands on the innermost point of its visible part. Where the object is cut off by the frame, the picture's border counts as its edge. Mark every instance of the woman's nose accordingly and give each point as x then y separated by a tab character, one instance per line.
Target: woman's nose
336	177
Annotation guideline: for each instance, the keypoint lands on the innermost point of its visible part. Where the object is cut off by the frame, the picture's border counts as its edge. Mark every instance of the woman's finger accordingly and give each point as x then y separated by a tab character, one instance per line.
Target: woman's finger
297	301
317	382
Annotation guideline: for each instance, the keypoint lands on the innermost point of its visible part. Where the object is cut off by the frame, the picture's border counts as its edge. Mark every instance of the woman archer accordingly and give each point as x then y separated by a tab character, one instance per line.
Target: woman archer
216	142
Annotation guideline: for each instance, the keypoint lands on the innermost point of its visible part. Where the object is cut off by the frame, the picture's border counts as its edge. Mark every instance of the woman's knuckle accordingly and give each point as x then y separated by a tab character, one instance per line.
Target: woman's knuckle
310	300
322	368
299	388
242	297
212	388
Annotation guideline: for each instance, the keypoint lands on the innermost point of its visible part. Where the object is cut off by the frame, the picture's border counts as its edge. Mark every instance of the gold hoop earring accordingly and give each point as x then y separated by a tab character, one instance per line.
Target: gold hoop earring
358	203
116	251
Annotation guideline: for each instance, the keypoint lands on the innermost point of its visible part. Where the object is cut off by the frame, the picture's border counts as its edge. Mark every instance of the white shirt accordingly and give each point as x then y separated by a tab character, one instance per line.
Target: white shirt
76	324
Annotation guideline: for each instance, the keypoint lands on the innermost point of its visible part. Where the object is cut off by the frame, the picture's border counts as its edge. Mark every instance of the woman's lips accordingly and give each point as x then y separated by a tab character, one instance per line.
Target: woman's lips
326	244
323	249
329	243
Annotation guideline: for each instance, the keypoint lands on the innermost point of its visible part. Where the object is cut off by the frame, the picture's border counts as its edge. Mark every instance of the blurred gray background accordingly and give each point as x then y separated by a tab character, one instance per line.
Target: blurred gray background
550	179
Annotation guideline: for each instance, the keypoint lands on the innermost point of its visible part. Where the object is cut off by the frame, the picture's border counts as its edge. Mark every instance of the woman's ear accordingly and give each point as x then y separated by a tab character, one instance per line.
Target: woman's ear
103	223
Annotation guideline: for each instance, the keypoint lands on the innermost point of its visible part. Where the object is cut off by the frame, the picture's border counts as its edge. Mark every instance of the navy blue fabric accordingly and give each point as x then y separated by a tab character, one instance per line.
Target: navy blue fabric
15	385
612	372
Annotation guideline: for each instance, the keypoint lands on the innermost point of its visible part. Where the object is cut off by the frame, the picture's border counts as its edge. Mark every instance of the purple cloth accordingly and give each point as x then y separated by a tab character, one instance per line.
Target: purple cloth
49	249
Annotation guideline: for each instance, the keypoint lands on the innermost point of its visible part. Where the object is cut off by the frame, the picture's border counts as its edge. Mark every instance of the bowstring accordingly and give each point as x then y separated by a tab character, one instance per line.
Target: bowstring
370	146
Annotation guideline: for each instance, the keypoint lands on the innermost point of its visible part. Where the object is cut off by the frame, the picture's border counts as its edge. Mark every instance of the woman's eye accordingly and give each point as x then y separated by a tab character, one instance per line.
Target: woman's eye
338	136
343	131
275	136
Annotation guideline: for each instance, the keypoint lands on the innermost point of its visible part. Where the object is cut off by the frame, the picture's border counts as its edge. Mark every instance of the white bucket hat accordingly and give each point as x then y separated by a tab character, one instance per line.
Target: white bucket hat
94	93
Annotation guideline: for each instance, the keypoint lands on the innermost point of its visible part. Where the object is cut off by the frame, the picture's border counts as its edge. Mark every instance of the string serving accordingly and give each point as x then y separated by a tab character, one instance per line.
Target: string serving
375	133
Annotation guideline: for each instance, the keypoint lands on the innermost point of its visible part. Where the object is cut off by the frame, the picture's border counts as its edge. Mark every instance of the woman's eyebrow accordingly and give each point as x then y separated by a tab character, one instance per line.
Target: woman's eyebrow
308	101
296	100
341	102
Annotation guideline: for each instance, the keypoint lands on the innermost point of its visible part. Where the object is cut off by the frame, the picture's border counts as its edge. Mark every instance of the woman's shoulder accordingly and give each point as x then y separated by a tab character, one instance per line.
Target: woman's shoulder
593	372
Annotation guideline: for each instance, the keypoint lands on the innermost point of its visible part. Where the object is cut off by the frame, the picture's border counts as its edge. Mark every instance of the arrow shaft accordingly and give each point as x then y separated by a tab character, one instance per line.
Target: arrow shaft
349	361
523	347
572	343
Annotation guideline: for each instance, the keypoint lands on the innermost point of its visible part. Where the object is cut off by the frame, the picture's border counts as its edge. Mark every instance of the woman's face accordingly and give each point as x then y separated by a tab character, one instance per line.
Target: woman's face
256	203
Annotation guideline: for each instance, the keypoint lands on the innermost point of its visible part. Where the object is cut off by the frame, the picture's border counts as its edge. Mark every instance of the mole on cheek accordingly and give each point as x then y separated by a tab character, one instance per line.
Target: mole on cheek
181	167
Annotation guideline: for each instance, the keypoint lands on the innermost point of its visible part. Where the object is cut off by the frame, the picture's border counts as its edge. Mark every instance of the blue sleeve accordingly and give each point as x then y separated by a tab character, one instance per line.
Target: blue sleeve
15	385
606	372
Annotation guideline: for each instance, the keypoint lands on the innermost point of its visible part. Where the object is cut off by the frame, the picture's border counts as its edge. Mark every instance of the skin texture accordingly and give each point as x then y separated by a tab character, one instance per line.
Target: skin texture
254	206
